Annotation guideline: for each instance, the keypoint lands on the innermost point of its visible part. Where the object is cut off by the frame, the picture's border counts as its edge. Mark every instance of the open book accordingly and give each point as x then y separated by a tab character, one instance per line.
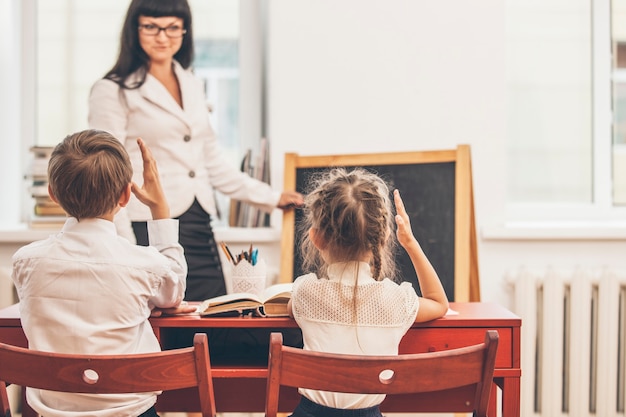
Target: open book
272	302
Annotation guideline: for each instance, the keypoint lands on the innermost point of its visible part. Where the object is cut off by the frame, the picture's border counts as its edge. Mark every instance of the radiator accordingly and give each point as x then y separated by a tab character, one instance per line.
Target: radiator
573	342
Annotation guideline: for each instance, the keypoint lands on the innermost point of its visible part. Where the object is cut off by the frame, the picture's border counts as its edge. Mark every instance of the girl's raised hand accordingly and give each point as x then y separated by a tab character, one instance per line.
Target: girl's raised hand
433	303
403	232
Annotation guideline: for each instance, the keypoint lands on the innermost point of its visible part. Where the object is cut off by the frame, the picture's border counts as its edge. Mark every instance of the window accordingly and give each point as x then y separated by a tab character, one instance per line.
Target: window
566	156
74	43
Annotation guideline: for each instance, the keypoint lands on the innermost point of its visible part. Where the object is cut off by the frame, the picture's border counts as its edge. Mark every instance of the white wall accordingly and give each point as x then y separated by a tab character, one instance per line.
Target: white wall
355	76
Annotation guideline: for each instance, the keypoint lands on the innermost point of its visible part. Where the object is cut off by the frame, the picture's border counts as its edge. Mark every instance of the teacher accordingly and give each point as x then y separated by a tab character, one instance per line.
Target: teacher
151	93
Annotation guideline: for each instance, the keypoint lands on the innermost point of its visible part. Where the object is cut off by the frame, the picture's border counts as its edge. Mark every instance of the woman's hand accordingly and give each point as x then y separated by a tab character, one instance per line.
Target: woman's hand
290	199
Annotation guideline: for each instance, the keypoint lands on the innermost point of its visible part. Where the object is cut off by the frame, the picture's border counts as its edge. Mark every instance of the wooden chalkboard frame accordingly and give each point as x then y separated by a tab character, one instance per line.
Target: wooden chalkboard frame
466	279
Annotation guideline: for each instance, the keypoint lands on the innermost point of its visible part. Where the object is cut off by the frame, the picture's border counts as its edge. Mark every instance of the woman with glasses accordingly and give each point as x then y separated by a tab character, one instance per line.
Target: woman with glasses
151	93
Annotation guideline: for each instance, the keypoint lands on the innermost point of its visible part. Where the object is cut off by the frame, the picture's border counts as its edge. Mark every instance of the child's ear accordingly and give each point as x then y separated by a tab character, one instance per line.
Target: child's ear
51	194
125	197
316	239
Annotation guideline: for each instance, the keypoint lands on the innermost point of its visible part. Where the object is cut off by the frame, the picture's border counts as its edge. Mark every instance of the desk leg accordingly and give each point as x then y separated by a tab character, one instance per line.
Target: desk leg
510	395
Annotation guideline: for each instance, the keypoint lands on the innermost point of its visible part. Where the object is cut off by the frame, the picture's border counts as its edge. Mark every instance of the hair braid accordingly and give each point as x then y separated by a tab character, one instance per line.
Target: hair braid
351	212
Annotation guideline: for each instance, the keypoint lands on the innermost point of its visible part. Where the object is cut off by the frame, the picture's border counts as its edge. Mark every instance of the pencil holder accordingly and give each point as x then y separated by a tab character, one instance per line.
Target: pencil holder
249	278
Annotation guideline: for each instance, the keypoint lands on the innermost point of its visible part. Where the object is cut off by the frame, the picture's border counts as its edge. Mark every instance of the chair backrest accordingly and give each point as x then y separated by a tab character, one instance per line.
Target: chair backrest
110	374
470	366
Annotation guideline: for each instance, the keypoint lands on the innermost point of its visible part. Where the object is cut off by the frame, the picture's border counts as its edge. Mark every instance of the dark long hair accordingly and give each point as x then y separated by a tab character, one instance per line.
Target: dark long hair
131	56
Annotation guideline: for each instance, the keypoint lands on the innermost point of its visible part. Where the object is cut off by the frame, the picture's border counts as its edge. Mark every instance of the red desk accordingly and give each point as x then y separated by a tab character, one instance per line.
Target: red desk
241	388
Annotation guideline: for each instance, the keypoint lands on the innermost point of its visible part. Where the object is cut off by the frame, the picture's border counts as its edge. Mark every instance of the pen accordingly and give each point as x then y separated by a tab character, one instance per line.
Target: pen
229	255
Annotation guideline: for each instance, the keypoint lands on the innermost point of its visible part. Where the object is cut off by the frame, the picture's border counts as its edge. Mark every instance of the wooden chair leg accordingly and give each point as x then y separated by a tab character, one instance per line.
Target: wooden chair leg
492	411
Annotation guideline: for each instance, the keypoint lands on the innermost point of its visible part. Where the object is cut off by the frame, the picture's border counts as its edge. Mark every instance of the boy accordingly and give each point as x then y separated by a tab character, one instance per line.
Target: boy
86	290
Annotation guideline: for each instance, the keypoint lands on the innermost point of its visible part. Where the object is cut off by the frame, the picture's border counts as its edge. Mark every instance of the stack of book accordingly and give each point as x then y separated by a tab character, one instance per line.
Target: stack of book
243	214
46	213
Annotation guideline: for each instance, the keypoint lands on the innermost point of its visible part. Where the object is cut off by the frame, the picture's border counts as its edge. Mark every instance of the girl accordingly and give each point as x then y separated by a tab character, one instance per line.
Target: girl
350	303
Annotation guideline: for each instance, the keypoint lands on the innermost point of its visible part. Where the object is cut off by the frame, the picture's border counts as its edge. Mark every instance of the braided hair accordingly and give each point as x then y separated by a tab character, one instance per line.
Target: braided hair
351	212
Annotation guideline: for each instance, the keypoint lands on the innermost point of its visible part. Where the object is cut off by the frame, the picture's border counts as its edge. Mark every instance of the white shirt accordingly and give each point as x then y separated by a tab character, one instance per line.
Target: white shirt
181	139
324	310
86	290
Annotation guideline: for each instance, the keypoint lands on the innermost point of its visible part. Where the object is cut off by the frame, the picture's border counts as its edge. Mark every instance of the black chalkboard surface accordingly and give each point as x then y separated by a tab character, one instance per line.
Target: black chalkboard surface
437	192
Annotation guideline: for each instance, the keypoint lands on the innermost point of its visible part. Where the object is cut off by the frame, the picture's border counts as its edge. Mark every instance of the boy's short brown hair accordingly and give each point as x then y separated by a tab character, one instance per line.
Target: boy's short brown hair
88	172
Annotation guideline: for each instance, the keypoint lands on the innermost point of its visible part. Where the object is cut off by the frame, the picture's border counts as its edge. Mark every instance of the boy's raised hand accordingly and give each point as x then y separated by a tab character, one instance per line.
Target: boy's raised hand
151	193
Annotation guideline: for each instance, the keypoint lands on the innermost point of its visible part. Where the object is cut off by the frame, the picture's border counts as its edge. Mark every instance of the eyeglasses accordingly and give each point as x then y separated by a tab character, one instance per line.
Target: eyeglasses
174	31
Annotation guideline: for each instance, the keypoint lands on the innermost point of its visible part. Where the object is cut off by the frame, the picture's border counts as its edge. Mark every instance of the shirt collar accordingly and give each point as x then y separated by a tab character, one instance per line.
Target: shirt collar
72	225
345	271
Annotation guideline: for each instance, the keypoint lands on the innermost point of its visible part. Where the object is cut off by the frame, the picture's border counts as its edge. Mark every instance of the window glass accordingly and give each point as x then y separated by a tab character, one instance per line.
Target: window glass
549	89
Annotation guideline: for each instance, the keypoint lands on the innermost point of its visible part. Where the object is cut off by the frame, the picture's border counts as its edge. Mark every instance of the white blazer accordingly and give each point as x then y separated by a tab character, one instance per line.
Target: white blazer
182	142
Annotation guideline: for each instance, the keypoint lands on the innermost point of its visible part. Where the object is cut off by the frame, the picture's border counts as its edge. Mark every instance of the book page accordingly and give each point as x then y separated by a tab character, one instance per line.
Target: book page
271	309
277	291
278	295
226	300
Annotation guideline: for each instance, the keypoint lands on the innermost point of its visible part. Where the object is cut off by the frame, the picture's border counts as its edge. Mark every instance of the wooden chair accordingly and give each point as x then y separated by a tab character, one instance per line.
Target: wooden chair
109	374
468	367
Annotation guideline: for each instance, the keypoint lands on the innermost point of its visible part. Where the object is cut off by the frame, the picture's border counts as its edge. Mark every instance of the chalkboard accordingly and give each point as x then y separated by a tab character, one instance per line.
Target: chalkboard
436	187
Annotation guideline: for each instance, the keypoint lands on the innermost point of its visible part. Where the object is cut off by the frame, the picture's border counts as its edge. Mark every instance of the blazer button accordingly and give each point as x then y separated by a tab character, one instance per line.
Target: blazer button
187	138
192	174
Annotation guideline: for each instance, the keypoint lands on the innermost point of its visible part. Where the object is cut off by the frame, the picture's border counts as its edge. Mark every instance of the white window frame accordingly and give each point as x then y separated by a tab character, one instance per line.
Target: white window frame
602	107
598	218
11	145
